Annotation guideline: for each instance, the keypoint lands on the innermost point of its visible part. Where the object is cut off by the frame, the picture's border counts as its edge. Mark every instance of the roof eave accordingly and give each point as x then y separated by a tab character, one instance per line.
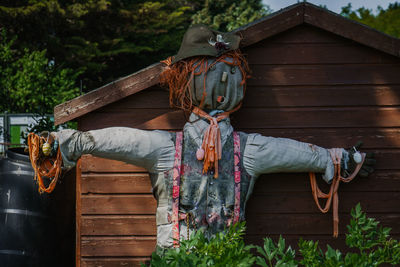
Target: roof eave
350	29
252	33
107	94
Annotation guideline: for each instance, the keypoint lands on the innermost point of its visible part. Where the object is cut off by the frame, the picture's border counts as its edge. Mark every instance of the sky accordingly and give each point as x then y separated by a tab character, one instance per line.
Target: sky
333	5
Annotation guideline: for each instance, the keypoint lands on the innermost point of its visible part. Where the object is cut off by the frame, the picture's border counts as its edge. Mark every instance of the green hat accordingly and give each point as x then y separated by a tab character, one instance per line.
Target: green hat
199	40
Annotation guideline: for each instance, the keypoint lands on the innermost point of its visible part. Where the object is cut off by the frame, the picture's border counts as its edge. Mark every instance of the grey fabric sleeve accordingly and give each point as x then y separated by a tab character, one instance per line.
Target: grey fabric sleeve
153	150
270	155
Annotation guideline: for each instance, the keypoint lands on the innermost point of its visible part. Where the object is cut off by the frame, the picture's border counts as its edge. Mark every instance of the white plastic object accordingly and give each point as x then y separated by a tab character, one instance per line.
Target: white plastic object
224	76
357	157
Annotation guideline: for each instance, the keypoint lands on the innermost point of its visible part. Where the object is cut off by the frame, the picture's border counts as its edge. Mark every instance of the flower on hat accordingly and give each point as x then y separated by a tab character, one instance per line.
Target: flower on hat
219	44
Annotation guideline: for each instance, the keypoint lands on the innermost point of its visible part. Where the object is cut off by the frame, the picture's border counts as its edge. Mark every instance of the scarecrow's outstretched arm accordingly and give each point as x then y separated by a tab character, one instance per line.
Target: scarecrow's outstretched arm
152	150
270	155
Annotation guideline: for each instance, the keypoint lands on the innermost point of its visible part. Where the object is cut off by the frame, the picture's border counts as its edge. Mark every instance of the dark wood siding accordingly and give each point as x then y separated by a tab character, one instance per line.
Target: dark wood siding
116	214
307	84
320	88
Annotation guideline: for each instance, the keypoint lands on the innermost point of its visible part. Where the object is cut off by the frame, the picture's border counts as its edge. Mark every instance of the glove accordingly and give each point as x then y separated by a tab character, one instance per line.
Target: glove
366	169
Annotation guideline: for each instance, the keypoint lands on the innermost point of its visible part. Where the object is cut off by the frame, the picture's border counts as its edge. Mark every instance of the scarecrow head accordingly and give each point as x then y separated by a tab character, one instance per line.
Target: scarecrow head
209	72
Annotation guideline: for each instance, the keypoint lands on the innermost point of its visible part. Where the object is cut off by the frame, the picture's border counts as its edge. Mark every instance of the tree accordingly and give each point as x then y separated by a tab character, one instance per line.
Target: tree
107	39
29	82
226	15
104	39
386	20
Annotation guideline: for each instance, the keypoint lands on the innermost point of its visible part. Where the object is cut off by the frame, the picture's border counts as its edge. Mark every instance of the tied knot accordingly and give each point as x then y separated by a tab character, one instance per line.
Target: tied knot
211	140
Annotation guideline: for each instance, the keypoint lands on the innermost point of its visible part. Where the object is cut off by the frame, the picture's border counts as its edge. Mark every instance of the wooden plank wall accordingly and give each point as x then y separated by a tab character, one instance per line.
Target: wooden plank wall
317	87
306	84
116	213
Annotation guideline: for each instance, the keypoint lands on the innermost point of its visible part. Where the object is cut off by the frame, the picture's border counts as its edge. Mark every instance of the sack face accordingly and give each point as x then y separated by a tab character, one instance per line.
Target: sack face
222	84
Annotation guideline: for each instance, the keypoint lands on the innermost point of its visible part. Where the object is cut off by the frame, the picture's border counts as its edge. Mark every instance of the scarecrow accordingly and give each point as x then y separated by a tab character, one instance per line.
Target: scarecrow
203	176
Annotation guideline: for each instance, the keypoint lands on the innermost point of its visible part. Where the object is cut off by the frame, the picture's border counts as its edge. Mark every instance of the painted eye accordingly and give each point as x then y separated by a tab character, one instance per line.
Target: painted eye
233	70
212	67
220	99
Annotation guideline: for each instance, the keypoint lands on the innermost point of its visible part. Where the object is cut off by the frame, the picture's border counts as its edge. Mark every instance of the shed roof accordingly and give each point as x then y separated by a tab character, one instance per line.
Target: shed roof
285	19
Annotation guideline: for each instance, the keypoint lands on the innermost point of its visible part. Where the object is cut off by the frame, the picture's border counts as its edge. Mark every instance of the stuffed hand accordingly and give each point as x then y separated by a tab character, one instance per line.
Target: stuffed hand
350	165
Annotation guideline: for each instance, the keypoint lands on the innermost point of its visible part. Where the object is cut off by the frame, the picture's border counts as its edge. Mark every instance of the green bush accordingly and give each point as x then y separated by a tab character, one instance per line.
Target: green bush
224	249
373	244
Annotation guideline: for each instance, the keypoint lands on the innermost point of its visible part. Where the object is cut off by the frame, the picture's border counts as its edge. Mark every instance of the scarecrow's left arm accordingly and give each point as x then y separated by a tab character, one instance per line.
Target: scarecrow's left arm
271	155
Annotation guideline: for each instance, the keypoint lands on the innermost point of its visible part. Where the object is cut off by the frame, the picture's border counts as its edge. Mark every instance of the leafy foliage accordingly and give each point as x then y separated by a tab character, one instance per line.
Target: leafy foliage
228	15
373	242
29	82
386	20
103	39
226	248
108	39
276	254
374	245
42	124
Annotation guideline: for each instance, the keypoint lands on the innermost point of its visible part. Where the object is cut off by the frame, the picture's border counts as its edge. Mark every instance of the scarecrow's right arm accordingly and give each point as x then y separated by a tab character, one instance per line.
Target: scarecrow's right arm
153	150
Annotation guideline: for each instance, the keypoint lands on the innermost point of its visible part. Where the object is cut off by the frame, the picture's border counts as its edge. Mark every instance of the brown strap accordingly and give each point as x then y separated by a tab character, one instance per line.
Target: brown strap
237	174
176	182
332	196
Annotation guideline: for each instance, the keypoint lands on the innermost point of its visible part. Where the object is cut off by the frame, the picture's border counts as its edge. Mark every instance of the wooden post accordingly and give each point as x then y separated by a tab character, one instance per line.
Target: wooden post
78	214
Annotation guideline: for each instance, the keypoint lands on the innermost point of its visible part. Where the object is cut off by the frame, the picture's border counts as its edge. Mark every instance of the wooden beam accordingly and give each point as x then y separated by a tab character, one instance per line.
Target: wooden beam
309	224
273	24
117	183
130	246
278	203
78	215
119	225
107	94
114	261
138	204
96	164
350	29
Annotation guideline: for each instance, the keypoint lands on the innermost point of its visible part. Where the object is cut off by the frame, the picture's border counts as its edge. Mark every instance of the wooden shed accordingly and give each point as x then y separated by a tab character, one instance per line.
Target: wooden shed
316	77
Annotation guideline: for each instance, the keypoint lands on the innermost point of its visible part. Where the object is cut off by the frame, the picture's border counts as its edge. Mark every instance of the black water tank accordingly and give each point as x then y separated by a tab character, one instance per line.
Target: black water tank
30	233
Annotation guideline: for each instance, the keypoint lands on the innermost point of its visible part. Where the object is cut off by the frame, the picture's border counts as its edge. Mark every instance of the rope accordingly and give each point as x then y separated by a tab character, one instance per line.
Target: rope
211	140
332	196
43	167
